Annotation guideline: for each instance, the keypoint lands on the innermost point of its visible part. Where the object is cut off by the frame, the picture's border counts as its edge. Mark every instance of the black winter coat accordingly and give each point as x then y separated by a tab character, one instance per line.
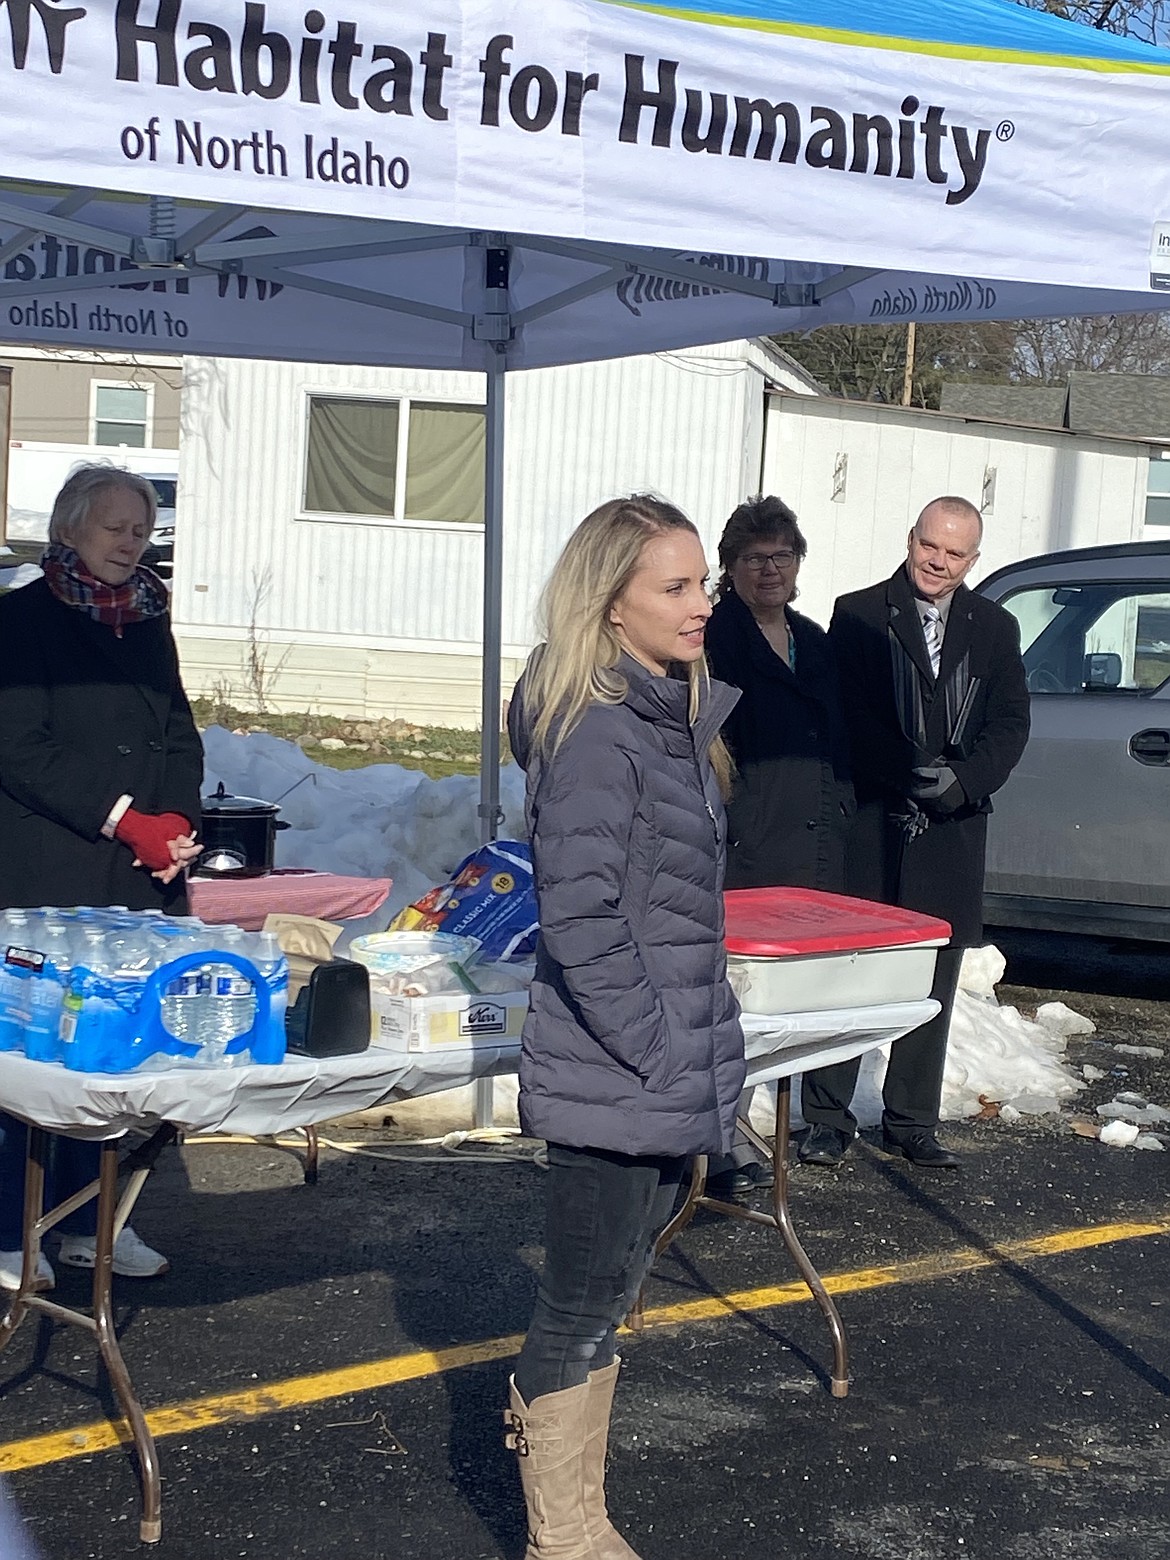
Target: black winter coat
939	872
788	818
632	1041
86	717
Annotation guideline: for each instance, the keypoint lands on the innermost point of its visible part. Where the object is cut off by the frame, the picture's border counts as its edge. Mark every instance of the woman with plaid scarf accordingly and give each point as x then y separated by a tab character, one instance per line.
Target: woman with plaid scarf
100	769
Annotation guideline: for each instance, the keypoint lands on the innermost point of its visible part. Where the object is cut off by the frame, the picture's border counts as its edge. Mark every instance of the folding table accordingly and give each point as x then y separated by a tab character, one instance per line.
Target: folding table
259	1101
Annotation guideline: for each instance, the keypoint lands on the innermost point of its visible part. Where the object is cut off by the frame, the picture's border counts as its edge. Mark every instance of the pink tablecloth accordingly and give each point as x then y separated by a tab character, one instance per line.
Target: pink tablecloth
246	901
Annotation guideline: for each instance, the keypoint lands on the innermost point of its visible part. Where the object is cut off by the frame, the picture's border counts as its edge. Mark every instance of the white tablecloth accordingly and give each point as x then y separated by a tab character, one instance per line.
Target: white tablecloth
304	1090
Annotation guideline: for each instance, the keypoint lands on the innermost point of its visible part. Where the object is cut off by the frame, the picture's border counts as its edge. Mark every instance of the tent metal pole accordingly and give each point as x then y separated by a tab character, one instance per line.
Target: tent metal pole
490	816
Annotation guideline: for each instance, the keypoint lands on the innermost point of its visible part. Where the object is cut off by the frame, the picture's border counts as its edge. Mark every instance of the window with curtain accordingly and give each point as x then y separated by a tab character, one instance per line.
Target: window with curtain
357	449
444	462
352	456
120	415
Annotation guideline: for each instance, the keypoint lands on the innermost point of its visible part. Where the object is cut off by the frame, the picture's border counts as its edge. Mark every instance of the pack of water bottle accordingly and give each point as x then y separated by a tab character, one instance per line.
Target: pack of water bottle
107	990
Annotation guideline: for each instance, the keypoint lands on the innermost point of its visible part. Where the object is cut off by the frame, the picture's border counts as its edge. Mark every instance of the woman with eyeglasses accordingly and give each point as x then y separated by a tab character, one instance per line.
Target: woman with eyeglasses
792	799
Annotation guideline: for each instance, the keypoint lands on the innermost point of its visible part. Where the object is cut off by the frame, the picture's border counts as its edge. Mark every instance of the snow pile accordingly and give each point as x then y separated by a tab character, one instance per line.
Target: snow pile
995	1052
380	821
22	574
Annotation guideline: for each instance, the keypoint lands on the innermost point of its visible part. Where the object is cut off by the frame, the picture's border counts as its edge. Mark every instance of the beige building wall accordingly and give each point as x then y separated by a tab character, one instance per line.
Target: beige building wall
426	687
52	398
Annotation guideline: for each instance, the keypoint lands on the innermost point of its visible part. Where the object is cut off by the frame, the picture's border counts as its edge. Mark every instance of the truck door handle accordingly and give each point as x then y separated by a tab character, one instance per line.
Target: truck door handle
1151	746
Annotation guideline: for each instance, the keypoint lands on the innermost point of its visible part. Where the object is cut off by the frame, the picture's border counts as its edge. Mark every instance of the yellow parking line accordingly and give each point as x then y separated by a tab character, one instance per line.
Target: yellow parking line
297	1391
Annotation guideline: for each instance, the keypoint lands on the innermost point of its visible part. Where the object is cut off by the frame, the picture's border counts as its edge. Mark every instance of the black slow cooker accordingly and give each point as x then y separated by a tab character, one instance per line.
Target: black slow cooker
238	835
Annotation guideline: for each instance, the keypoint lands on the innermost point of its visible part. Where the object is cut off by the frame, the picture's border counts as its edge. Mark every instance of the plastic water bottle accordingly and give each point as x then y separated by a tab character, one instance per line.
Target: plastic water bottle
46	989
14	939
269	959
227	1007
239	1009
182	1004
94	1030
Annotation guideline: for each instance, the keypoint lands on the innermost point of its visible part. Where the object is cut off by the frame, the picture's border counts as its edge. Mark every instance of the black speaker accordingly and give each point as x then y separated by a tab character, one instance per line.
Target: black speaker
331	1016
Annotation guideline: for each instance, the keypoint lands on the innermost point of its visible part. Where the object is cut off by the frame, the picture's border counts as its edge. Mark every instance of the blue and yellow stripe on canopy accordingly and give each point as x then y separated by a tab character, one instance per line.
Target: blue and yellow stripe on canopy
997	31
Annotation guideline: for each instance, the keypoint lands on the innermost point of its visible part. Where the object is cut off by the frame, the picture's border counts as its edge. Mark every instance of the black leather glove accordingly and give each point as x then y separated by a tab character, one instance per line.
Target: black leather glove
936	789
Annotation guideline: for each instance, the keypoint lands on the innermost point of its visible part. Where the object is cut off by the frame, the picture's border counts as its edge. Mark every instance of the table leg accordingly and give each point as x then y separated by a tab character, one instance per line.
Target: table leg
150	1523
34	1203
312	1156
780	1219
782	1215
112	1214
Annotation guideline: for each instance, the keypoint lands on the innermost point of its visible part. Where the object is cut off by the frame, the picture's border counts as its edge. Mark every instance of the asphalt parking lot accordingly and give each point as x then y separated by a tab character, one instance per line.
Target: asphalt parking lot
325	1366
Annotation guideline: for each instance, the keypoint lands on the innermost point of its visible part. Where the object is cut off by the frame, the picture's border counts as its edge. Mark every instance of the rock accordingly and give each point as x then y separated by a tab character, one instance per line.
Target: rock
1148	1140
1119	1134
307	740
1036	1104
332	744
365	732
1132	1107
1061	1020
1155	1051
438	753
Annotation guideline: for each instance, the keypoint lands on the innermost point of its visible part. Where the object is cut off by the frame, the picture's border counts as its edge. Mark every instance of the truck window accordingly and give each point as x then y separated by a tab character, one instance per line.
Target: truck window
1094	639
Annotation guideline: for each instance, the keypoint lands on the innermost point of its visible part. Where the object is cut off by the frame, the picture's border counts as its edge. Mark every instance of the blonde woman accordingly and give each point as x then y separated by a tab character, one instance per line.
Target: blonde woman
632	1054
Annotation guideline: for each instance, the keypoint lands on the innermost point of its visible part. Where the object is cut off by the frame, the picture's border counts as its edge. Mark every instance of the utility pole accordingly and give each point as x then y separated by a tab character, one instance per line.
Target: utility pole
908	377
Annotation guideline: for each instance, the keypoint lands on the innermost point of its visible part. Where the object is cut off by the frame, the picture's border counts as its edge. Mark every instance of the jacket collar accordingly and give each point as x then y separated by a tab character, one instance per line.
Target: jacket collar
903	617
665	700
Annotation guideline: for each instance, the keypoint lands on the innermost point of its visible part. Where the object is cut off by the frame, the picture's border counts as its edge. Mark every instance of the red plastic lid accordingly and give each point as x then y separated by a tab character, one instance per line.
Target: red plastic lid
782	923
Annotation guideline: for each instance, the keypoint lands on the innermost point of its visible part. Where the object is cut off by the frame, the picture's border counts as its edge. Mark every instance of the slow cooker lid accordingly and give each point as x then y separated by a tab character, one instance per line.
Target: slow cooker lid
223	804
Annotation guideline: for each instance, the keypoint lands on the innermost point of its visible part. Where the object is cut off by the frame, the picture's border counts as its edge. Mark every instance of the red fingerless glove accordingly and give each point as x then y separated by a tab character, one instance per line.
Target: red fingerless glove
149	835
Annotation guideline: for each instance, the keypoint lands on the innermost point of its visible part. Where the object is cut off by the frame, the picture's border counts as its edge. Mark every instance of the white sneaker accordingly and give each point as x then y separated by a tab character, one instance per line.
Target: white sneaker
12	1264
133	1258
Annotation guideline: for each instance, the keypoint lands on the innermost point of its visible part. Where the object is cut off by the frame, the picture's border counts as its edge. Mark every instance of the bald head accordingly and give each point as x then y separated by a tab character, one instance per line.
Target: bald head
943	547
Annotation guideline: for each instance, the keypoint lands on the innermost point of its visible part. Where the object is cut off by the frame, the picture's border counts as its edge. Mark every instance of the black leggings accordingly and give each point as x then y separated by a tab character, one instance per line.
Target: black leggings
604	1211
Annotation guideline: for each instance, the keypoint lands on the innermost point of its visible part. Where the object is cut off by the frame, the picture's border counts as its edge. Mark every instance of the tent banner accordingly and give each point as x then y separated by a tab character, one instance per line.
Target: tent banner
744	127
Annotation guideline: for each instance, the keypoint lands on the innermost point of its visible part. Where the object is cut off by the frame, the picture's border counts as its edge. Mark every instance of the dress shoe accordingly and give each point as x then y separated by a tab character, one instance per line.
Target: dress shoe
822	1145
923	1149
739	1181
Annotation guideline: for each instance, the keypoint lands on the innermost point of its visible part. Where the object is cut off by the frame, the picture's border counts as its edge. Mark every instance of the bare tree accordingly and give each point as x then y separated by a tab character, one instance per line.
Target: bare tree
1145	19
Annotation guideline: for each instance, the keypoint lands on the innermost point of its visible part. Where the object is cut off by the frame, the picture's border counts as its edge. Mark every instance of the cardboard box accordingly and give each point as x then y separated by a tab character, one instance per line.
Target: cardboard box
447	1023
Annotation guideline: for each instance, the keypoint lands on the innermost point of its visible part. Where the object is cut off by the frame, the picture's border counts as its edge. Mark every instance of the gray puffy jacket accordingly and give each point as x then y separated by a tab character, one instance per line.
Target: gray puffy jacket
632	1040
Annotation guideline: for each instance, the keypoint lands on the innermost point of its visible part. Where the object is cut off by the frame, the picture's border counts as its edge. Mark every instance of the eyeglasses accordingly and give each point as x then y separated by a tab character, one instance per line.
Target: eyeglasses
779	560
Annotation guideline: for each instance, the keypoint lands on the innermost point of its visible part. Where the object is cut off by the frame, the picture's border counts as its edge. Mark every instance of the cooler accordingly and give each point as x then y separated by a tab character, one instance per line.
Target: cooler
798	950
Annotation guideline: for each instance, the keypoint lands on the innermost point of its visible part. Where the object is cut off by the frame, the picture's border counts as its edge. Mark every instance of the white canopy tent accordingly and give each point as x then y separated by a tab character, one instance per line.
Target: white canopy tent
496	186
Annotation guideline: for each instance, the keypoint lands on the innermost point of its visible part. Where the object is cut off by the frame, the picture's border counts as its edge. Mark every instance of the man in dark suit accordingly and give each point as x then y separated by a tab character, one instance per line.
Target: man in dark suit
937	708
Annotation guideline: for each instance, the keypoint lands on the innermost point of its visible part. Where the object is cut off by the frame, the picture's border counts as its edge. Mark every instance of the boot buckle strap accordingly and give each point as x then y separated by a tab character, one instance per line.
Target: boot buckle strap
514	1438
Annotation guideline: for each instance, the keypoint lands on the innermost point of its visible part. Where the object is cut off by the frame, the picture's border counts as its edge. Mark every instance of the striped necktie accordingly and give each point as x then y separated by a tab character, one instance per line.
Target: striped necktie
933	632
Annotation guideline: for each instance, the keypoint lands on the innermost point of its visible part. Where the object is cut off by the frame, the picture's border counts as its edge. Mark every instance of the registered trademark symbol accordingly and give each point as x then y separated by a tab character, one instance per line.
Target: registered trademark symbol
1004	130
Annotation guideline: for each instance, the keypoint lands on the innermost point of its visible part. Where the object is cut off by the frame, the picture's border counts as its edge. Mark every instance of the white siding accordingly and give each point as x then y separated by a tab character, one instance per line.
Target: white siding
686	425
1052	489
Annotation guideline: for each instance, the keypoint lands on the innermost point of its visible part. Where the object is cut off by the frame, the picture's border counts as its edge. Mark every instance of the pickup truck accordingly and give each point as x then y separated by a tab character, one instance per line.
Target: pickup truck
1079	839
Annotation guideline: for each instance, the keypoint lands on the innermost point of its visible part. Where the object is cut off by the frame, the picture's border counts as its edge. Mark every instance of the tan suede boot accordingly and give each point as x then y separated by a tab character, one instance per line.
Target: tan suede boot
548	1437
608	1543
